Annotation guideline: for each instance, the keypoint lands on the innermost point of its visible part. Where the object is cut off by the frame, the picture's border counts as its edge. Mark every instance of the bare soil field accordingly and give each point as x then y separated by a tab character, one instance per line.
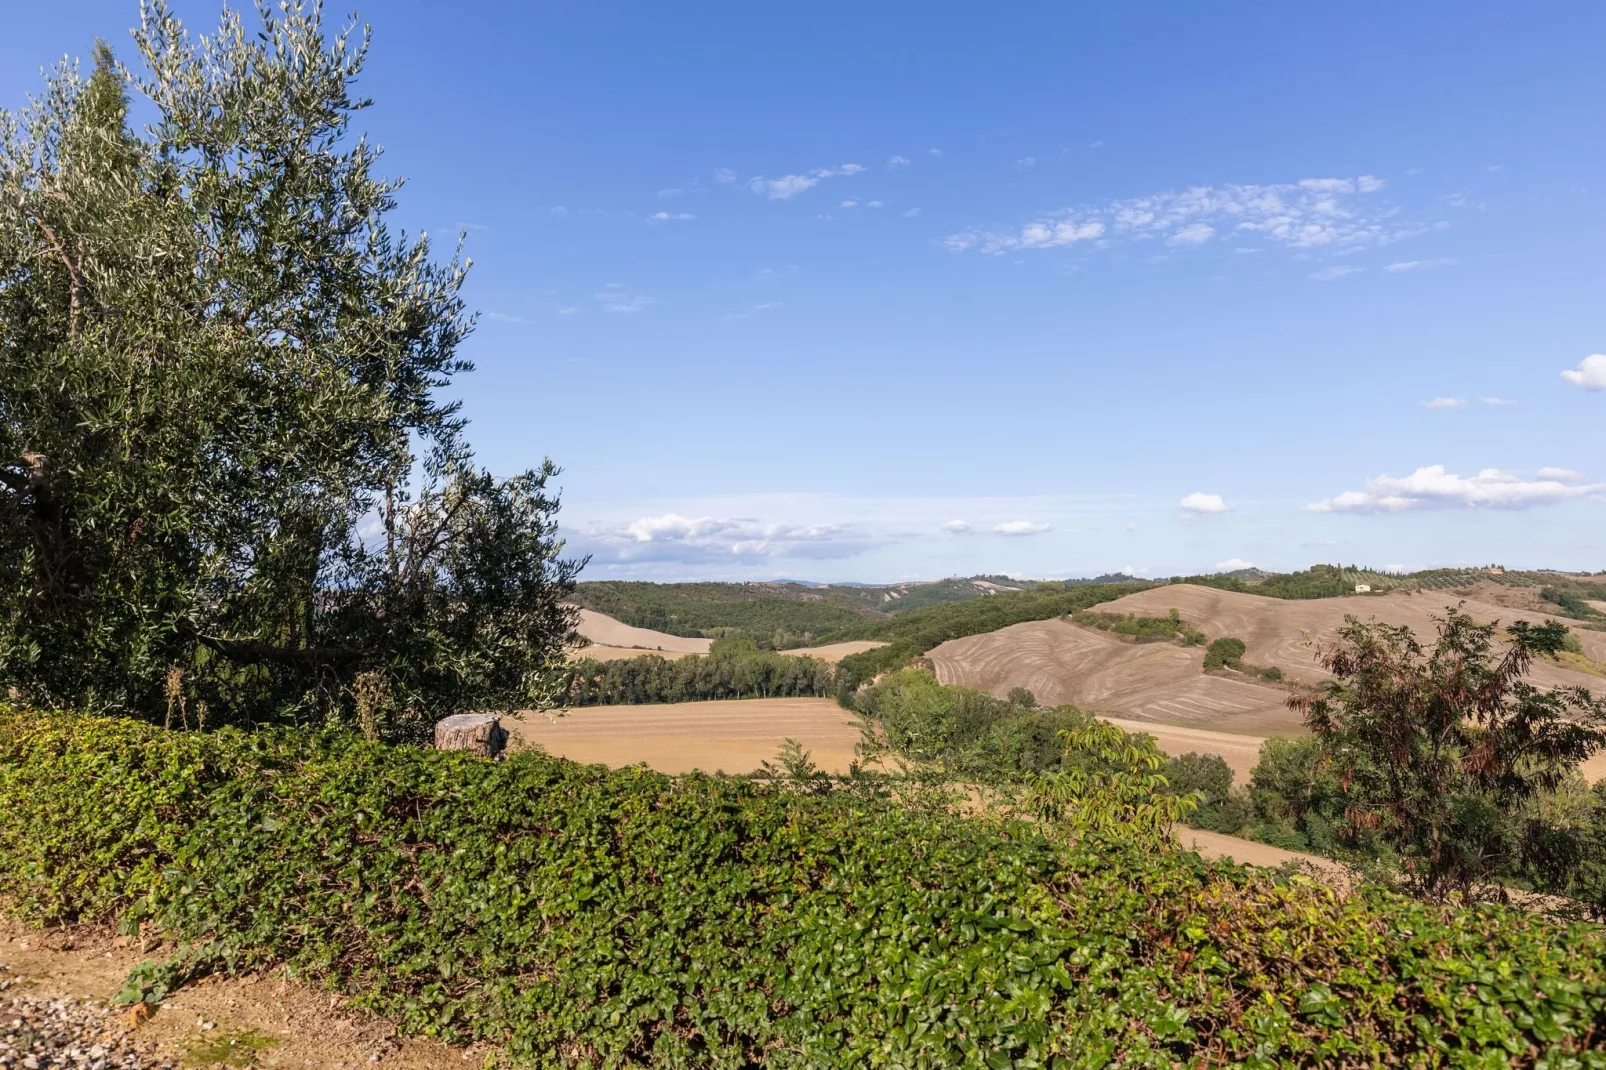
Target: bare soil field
612	640
732	736
1166	683
603	630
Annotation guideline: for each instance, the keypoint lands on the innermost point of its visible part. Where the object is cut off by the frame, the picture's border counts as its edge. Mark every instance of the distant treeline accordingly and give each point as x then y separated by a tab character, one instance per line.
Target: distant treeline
734	668
772	615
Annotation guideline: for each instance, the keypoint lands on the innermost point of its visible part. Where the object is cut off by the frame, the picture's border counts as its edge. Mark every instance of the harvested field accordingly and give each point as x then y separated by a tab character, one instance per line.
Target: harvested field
612	640
603	630
733	736
1165	683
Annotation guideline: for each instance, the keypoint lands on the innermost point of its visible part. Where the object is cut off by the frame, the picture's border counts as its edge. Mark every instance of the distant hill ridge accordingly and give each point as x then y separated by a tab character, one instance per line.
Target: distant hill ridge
790	613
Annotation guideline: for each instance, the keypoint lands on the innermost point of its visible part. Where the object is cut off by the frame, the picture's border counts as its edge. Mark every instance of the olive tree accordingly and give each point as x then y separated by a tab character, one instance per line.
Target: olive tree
230	489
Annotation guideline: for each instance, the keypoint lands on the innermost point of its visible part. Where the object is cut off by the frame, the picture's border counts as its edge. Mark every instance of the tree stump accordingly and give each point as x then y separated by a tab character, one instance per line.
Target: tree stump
477	733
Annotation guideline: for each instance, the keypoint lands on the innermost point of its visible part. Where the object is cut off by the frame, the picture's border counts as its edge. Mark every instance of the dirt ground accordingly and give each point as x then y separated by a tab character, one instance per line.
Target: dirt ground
728	736
832	652
1165	683
265	1021
603	630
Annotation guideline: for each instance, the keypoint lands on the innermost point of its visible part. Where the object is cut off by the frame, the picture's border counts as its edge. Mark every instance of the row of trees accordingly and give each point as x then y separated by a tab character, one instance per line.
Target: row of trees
735	668
230	487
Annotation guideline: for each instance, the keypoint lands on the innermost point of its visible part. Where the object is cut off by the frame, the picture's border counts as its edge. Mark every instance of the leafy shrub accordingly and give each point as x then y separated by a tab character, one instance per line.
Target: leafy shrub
580	915
1221	809
1224	652
1272	674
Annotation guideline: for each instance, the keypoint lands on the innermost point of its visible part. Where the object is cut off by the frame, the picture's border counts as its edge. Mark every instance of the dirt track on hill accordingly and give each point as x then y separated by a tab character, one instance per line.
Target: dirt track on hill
1165	683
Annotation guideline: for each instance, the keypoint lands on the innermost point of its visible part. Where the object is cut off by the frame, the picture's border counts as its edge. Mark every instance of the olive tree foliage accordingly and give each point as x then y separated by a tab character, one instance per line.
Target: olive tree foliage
229	487
1437	747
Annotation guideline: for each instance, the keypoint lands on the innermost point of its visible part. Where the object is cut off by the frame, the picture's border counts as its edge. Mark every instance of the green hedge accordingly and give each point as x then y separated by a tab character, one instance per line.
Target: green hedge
575	914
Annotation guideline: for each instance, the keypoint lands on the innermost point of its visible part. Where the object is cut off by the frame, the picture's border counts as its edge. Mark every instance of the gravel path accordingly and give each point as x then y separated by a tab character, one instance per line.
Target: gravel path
38	1033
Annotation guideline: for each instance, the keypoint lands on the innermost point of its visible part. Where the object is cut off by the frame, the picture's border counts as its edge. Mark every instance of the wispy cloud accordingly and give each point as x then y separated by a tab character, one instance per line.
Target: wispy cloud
763	306
956	527
1337	271
667	217
613	297
504	317
933	152
1026	161
1200	503
1021	527
910	213
896	162
1417	265
1444	403
788	186
1331	214
1233	564
1432	487
724	176
691	540
1496	401
669	194
1590	373
1565	475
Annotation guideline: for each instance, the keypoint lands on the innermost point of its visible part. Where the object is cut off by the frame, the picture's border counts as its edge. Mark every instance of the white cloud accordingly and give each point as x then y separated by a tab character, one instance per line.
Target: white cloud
933	152
1590	373
666	194
788	186
850	204
1193	234
724	175
956	527
1444	403
1432	487
1336	272
567	310
672	537
1416	265
1233	564
874	204
665	217
1316	214
1496	401
911	213
1021	527
503	317
1042	235
896	162
614	298
1026	161
1565	475
1199	502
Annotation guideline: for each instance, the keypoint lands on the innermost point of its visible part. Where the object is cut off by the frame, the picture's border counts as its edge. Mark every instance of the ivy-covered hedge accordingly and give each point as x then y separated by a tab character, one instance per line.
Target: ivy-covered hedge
575	914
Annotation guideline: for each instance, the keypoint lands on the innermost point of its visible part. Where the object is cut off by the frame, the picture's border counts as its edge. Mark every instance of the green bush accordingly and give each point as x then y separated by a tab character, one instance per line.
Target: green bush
578	915
1224	652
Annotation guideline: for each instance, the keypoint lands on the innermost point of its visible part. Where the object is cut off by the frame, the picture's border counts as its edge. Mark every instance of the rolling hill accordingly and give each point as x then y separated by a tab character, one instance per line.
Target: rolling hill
1165	683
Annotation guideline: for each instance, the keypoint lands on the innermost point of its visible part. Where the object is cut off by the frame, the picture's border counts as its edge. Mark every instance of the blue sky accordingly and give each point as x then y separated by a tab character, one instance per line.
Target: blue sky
883	292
